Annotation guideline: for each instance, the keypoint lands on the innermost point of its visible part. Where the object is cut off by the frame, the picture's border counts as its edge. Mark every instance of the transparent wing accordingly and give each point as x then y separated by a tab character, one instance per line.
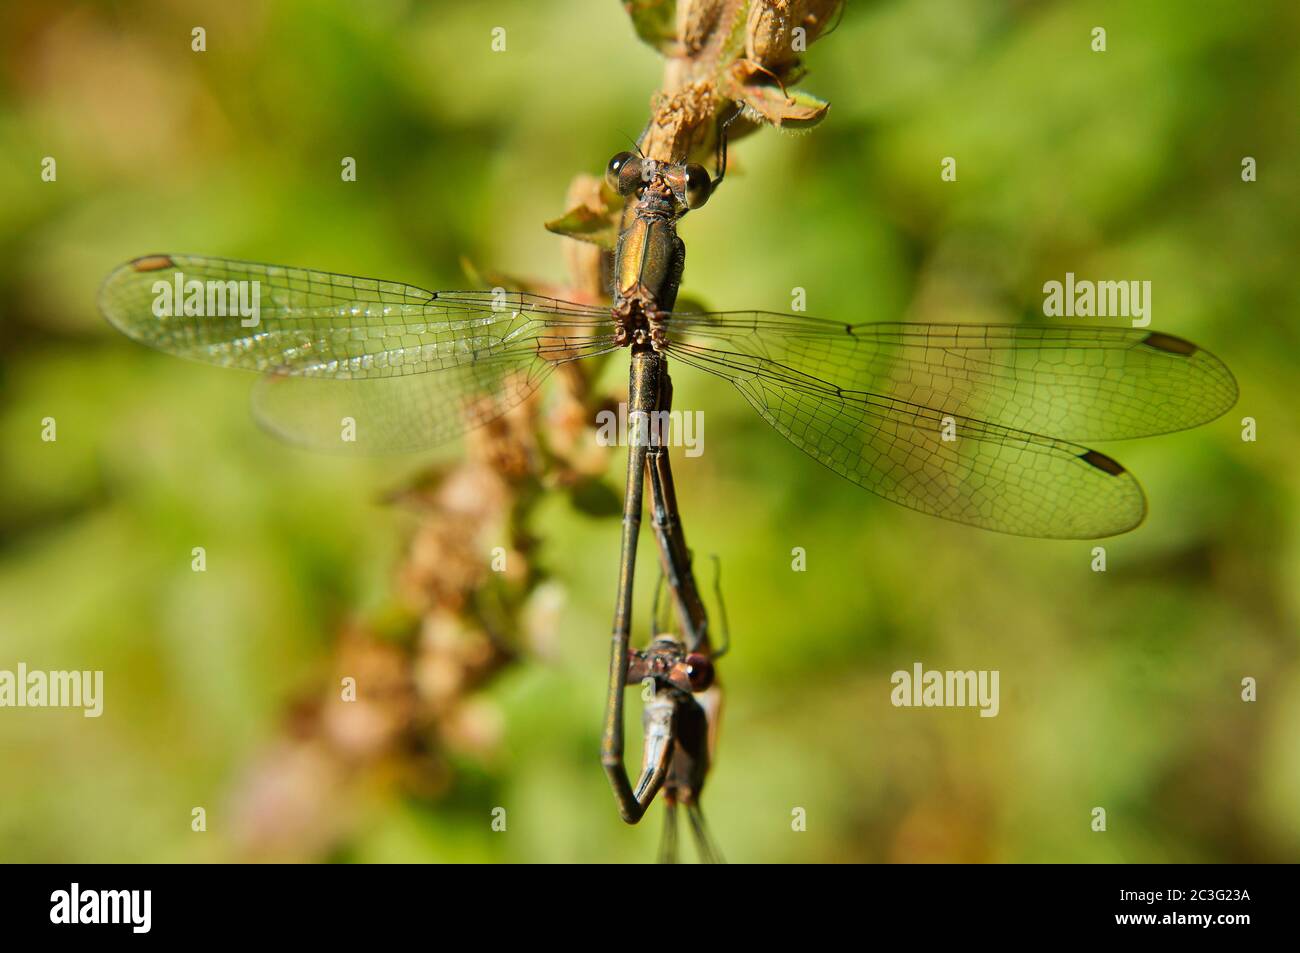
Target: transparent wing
410	412
1075	383
937	462
353	363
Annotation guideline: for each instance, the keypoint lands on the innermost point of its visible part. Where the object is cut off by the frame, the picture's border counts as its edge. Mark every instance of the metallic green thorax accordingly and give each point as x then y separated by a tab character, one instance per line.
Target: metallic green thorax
648	261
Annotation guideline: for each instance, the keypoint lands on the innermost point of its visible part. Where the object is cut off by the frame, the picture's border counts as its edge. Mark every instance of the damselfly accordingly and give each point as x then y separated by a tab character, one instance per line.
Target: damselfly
982	425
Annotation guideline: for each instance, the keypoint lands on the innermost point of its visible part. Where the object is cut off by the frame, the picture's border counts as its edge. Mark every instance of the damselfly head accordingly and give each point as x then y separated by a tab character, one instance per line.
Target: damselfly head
667	661
628	174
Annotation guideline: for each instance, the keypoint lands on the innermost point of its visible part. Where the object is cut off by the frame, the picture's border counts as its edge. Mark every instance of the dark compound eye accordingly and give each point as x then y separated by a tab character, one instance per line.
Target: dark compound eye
623	174
700	671
698	186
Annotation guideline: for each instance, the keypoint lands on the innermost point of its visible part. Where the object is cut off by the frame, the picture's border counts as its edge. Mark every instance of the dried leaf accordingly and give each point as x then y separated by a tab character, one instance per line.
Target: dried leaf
790	109
779	31
598	225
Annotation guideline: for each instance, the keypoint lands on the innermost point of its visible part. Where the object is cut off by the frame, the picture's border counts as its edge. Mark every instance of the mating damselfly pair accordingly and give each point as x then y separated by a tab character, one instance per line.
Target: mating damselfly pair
982	425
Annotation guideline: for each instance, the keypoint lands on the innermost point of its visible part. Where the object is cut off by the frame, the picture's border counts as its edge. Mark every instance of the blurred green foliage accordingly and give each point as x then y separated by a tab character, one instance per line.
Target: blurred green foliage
1119	689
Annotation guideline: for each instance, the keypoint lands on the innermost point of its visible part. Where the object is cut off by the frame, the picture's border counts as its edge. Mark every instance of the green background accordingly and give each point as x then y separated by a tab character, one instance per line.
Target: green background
1118	689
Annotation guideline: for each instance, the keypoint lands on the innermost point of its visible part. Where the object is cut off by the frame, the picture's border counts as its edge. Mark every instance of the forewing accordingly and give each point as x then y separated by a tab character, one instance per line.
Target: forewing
393	365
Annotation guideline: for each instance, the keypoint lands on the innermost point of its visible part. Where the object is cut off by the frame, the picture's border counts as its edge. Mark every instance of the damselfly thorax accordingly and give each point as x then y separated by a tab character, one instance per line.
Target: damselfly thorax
650	257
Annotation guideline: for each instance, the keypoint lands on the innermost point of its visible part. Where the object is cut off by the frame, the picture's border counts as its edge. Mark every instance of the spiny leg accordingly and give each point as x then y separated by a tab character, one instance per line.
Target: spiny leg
708	850
724	626
660	618
723	123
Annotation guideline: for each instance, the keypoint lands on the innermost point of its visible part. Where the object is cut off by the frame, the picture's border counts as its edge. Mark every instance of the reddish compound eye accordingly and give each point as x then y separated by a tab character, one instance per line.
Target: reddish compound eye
699	669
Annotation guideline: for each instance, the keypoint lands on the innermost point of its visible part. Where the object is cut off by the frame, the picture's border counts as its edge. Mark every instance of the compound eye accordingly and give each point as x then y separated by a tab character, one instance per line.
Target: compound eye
698	186
700	671
623	174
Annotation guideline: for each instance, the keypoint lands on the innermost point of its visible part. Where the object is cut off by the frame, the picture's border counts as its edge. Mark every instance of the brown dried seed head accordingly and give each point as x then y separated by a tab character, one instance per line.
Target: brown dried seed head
770	31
